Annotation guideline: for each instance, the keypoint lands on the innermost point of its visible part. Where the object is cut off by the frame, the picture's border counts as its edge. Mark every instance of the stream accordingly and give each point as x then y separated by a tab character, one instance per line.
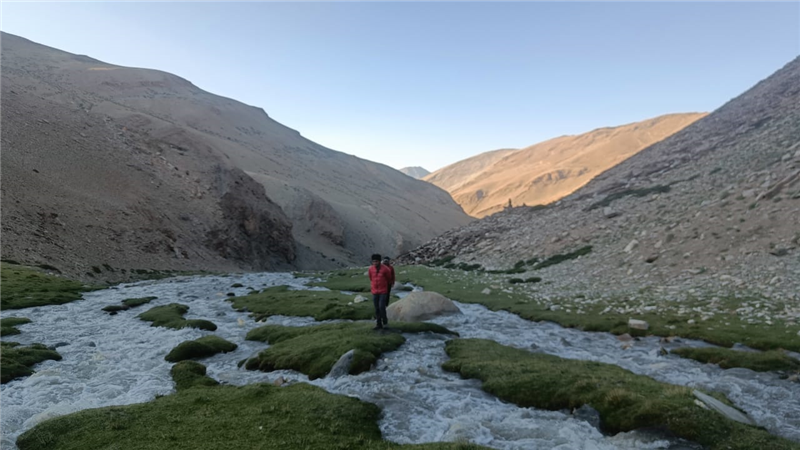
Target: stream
118	360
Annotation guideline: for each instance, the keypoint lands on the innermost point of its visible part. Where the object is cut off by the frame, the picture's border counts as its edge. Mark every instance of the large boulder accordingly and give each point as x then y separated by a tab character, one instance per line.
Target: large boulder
421	305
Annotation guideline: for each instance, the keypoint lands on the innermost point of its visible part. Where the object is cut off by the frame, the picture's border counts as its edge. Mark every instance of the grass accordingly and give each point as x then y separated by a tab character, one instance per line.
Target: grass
128	304
26	287
321	305
727	358
134	302
611	314
314	350
556	259
200	348
188	374
171	316
16	361
625	401
203	415
346	281
9	324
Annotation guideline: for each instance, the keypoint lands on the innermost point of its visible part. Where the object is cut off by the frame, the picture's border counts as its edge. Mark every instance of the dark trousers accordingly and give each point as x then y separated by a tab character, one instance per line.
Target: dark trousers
380	301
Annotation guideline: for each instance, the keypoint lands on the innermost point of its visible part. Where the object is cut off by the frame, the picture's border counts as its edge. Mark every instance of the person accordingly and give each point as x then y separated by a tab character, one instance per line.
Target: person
388	264
379	284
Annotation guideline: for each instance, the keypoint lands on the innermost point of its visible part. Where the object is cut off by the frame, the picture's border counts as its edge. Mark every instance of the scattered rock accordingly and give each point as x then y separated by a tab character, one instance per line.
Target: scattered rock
637	324
624	337
280	381
631	245
725	410
421	305
652	258
359	299
486	291
588	414
342	366
609	212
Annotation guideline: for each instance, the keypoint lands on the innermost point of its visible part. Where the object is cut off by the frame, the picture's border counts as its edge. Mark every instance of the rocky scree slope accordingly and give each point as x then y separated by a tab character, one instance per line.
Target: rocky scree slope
550	170
714	208
140	168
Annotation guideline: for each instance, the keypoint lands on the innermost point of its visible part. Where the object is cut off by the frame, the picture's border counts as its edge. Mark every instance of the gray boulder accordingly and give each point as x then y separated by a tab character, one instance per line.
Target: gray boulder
421	305
342	366
722	408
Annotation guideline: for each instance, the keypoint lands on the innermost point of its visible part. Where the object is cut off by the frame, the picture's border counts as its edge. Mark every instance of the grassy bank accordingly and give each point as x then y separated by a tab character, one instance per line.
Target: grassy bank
25	287
727	358
8	325
171	316
690	319
200	348
203	415
321	305
625	401
16	361
314	350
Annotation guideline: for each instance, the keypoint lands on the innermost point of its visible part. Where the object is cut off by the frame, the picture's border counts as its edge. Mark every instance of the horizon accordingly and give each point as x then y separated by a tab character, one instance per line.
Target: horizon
351	78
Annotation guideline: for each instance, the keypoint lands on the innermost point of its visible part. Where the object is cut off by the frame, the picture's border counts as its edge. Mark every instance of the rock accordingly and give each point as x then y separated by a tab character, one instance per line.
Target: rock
57	345
631	245
749	193
609	212
555	307
725	410
652	258
486	291
342	366
359	299
421	305
398	286
690	321
637	324
624	337
588	414
279	382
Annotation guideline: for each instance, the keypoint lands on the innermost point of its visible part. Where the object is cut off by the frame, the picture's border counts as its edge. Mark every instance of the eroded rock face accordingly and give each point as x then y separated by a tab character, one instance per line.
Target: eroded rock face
419	306
253	229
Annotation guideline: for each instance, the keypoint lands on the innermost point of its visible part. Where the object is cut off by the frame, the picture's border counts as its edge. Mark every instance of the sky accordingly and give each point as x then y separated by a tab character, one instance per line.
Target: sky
428	84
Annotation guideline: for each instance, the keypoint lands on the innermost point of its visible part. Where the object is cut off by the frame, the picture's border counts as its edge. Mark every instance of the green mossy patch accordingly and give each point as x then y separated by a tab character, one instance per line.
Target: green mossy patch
314	350
727	358
113	309
171	316
200	348
8	325
188	374
321	305
134	302
16	361
346	280
625	401
724	329
26	287
256	416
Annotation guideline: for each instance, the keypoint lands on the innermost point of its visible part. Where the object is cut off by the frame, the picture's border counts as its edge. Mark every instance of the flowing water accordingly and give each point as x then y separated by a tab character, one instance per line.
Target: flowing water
117	360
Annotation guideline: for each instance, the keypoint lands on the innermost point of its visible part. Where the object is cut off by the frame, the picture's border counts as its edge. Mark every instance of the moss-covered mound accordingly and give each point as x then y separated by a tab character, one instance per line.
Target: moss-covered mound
256	416
8	325
352	280
314	350
25	287
626	401
321	305
200	348
113	309
16	361
187	374
134	302
727	358
171	316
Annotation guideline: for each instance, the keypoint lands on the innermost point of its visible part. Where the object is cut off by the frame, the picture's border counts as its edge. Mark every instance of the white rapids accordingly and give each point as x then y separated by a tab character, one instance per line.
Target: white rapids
117	360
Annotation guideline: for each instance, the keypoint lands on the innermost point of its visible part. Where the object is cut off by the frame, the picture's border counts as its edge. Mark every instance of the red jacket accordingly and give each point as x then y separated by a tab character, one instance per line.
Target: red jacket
379	279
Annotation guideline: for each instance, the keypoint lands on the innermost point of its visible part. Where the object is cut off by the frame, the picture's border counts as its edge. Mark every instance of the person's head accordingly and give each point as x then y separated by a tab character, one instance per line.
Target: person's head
386	260
376	259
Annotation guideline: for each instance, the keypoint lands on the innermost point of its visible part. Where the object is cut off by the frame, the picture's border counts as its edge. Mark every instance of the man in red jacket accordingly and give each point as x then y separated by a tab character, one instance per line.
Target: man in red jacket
379	276
388	264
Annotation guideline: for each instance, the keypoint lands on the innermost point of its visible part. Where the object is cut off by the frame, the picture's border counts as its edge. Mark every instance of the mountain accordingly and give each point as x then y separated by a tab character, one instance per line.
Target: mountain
137	168
714	206
415	172
550	170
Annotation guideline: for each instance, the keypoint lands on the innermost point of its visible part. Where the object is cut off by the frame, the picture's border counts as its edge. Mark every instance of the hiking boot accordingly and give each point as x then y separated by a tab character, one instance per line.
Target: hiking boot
378	327
386	321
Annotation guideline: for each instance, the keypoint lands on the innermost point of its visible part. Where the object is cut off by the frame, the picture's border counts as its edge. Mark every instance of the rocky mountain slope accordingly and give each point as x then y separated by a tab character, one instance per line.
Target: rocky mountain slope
415	172
550	170
713	208
136	168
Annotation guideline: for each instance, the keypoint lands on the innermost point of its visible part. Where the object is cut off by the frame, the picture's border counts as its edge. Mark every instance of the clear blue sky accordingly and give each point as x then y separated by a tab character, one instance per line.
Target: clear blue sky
432	83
